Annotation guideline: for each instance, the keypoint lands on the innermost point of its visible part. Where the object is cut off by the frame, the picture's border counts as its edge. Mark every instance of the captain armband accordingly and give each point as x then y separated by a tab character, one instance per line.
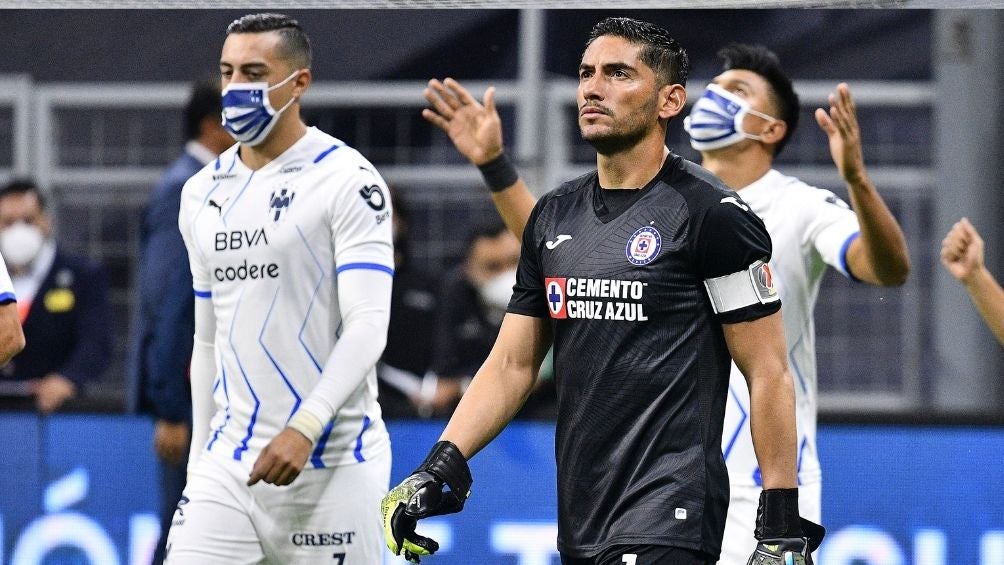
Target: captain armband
753	285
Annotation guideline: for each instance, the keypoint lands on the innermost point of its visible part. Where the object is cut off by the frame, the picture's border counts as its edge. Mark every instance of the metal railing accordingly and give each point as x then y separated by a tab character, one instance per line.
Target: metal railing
101	147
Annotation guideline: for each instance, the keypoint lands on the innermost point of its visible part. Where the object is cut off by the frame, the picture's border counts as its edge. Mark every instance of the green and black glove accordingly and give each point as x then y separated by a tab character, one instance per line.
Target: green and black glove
422	495
784	538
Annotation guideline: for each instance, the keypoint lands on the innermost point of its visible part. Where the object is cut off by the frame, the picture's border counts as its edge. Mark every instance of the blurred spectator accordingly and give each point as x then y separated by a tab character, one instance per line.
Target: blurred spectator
473	301
161	345
962	256
406	383
62	304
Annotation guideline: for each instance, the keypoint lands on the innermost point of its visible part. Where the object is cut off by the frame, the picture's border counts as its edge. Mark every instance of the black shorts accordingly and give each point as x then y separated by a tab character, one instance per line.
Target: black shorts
642	555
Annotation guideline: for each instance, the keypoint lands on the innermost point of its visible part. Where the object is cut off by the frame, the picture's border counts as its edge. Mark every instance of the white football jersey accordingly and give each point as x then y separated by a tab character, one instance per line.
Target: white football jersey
266	247
810	228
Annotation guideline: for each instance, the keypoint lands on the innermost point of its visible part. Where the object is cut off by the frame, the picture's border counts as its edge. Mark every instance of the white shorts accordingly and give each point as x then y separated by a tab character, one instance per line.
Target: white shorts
739	543
326	516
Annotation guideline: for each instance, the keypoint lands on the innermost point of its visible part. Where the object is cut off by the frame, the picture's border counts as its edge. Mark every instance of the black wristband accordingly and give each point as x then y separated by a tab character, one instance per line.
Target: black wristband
777	514
447	464
499	173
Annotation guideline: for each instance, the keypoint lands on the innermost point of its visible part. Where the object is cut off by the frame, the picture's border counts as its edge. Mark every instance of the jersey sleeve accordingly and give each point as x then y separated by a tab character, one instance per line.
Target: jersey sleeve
832	226
361	221
190	205
528	296
6	286
732	252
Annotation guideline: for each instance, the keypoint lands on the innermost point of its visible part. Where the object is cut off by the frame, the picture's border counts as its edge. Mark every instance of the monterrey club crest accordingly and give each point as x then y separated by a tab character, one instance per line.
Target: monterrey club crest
643	246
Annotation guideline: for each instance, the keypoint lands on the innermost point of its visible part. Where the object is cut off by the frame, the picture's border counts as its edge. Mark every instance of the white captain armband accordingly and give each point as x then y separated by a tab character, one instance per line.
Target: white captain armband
753	285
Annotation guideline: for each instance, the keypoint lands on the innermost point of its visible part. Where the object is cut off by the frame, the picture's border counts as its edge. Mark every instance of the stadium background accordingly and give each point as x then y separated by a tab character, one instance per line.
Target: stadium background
90	106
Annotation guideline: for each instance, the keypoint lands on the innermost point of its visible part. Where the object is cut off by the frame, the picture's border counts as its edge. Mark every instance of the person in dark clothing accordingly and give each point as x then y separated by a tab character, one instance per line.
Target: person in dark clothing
648	274
161	345
62	300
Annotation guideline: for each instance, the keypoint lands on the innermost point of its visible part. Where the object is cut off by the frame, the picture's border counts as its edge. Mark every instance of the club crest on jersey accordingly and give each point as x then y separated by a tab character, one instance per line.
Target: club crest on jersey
279	202
554	289
643	246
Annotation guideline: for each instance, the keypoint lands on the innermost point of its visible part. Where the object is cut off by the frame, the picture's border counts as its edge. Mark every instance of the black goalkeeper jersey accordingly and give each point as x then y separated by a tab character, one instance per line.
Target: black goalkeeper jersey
640	360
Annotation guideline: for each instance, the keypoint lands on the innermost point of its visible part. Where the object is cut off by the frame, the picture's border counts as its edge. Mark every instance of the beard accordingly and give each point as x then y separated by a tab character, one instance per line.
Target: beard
612	142
625	134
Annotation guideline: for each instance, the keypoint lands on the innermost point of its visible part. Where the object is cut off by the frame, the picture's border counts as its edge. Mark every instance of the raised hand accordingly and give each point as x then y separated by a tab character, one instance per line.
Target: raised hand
962	251
474	128
841	126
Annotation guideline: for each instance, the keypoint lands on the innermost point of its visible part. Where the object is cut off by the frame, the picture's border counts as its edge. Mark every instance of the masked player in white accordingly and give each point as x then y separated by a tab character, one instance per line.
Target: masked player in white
289	240
739	125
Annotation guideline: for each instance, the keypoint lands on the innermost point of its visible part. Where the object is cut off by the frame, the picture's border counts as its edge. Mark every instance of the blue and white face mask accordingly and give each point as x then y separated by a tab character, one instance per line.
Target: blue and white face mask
247	114
716	119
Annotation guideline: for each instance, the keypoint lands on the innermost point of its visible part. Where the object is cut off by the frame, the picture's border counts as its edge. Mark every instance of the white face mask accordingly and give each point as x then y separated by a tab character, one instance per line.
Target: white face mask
495	295
247	113
716	120
20	244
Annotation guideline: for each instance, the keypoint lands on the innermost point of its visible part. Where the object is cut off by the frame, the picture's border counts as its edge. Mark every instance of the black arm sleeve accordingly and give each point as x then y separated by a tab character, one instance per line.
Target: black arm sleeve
729	240
528	293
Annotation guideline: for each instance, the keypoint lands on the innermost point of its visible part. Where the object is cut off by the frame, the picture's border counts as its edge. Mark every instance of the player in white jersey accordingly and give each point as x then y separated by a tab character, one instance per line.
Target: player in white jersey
11	334
739	125
289	241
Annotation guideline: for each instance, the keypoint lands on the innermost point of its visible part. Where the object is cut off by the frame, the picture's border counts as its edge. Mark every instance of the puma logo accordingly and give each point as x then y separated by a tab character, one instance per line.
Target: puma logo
219	207
557	241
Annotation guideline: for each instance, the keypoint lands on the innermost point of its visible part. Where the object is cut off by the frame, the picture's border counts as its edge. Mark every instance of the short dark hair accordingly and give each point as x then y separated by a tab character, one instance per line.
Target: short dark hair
20	186
204	101
764	62
295	44
660	52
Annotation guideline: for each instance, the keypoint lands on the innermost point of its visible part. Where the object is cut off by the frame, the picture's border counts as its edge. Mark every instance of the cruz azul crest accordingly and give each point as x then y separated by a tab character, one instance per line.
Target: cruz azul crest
643	246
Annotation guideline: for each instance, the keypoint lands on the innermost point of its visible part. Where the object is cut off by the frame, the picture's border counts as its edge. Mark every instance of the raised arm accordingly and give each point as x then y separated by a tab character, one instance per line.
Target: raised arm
476	131
880	255
962	255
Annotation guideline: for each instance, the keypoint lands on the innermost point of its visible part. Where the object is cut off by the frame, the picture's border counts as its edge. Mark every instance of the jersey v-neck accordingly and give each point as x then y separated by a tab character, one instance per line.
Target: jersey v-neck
610	203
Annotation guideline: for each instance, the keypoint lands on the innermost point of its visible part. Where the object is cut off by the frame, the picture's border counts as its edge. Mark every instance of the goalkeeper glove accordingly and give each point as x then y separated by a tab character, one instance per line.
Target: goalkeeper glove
784	538
421	495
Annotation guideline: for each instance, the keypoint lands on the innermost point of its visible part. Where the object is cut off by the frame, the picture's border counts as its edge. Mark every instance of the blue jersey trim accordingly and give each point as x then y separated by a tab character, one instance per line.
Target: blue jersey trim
313	298
7	297
372	266
257	403
226	411
238	197
843	256
322	442
261	341
203	293
794	365
325	153
358	451
739	428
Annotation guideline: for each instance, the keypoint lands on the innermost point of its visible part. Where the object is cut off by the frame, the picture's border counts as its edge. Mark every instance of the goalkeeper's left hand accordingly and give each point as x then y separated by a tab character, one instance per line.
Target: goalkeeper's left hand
421	495
783	537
